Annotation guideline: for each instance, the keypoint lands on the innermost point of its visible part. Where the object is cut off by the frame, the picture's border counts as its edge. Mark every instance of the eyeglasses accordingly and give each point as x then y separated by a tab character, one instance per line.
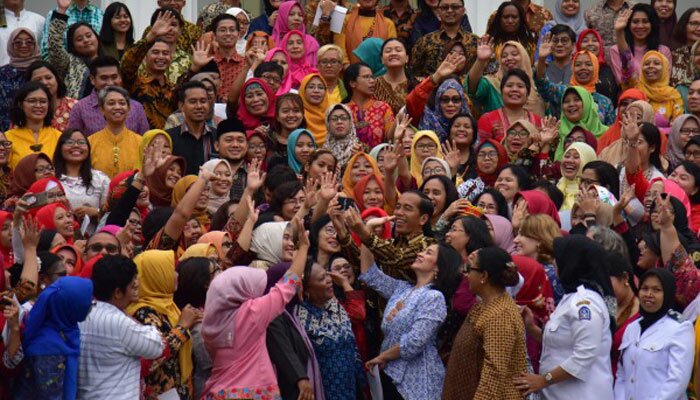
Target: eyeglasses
330	229
34	102
690	131
484	206
426	146
272	78
469	269
329	63
453	7
491	155
98	247
520	134
79	142
692	154
135	222
28	42
255	147
43	169
433	171
5	144
453	100
336	118
588	182
693	24
563	40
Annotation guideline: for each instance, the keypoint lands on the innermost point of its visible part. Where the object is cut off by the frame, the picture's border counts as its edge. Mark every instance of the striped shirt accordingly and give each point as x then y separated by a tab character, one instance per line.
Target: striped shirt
111	347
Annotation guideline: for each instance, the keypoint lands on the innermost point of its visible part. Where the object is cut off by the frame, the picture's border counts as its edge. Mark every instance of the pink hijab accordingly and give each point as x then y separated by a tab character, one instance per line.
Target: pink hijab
280	29
502	232
298	69
225	296
676	191
286	85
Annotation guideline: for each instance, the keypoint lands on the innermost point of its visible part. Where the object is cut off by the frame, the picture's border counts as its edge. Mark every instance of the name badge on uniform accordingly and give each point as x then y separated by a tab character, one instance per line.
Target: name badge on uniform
584	314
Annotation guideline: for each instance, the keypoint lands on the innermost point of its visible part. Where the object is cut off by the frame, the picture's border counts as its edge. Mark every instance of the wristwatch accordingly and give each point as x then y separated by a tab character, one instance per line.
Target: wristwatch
548	378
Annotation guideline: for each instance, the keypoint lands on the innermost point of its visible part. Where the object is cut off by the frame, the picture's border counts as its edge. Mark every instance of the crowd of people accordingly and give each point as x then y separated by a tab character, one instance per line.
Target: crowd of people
273	207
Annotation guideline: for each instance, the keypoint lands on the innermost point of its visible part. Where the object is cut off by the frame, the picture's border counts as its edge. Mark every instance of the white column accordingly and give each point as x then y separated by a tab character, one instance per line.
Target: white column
141	12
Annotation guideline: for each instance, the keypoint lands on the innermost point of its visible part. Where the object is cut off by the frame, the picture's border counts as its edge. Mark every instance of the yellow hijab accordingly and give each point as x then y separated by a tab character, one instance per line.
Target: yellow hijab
348	185
199	250
534	104
315	115
659	91
570	187
146	139
417	165
179	191
156	273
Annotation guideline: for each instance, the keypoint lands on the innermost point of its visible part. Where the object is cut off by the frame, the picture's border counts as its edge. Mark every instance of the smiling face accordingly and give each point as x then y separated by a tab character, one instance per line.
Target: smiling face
583	69
570	7
457	237
43	169
408	218
115	108
517	138
394	55
121	22
684	179
590	42
75	149
224	181
292	205
295	47
63	220
290	115
288	243
160	141
570	164
437	195
322	164
450	103
257	149
192	231
689	129
365	83
431	168
510	19
514	91
315	91
232	146
652	68
280	60
85	42
256	100
319	288
343	267
426	261
36	106
507	184
563	45
664	8
572	106
526	246
158	58
304	148
360	168
24	45
640	26
226	34
425	147
196	105
651	294
328	239
373	195
172	175
692	31
462	132
510	57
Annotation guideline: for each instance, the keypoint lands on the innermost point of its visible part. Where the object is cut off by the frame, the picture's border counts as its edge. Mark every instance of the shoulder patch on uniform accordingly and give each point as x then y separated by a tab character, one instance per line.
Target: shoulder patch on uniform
584	314
675	315
583	303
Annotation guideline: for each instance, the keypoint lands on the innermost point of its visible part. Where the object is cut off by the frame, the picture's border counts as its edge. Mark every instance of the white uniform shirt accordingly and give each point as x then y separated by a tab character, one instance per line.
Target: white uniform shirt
111	347
27	19
577	338
656	364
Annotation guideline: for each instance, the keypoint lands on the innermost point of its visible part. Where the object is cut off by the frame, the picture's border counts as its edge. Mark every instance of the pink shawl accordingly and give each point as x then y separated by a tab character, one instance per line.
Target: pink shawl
286	85
676	191
281	28
298	69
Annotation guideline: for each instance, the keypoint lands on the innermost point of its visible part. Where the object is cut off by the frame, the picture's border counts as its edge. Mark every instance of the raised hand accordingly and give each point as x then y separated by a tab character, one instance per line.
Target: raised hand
451	154
30	231
545	49
162	25
311	190
329	183
327	7
451	64
588	201
302	237
485	51
622	20
200	55
663	210
253	213
255	177
391	157
207	175
379	221
340	280
403	121
549	130
630	129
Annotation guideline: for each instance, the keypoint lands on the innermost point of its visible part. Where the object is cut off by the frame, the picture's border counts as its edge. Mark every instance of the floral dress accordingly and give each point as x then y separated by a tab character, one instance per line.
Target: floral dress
372	121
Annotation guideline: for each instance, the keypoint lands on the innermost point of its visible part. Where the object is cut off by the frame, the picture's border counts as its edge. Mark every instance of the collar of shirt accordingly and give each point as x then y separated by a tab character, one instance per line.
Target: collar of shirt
184	129
74	7
235	58
147	78
444	36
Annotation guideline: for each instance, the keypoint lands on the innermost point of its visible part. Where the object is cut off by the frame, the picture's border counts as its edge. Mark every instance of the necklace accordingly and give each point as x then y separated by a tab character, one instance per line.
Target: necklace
399	305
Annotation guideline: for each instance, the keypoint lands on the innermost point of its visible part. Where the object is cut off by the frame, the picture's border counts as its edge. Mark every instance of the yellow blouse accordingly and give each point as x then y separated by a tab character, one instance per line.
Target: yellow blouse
23	140
112	153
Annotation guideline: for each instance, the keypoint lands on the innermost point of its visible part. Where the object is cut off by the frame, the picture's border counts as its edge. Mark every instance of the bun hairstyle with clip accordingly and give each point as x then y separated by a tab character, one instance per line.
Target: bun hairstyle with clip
499	265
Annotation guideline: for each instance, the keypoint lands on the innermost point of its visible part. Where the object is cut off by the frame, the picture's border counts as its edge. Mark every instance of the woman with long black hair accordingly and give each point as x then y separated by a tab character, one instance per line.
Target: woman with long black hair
510	23
117	33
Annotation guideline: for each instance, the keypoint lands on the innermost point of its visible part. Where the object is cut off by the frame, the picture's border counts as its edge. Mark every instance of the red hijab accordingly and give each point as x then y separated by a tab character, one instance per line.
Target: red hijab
86	271
539	203
359	189
8	257
601	51
375	212
490	179
249	120
117	188
536	292
45	217
78	256
23	174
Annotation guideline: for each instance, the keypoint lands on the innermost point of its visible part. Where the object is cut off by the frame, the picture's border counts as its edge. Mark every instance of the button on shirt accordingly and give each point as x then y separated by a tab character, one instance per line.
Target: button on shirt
111	347
195	151
87	117
577	338
27	19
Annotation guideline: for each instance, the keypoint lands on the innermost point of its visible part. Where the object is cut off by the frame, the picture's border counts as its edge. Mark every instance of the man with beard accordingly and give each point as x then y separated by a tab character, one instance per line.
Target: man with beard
232	146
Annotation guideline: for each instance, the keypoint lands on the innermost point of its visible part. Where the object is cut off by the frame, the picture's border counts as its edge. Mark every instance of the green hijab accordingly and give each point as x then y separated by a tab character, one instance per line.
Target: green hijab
370	53
590	120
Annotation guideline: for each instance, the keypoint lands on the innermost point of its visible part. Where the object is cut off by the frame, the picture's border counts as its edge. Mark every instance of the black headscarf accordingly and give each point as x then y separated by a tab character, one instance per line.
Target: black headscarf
582	261
668	283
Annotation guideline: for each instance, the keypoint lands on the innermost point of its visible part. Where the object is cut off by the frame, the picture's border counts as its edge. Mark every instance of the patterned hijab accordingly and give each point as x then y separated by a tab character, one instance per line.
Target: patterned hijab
342	148
659	91
433	118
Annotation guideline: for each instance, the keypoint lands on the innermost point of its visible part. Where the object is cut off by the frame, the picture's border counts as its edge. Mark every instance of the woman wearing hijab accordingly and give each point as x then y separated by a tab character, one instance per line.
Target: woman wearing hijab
615	152
425	144
364	21
490	157
300	146
535	202
370	53
29	170
570	15
662	339
154	138
156	307
315	98
436	117
590	40
261	40
360	165
256	105
220	191
489	348
51	340
237	314
243	30
654	82
302	50
290	17
683	128
267	243
369	192
58	217
576	156
200	210
585	73
613	133
573	114
502	232
341	137
23	51
287	80
576	340
685	67
221	241
163	179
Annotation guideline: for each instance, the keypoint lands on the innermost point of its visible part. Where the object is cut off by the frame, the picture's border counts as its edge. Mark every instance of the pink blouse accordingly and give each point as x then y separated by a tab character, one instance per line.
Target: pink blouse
636	64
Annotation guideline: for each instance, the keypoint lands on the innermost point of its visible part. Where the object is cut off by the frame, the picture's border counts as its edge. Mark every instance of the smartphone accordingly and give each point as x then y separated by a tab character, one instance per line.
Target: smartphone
4	302
346	203
36	200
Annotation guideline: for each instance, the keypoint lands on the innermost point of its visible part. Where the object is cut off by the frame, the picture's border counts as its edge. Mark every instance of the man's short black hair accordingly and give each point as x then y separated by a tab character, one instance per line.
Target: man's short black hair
182	93
268	66
560	28
111	273
103	62
222	17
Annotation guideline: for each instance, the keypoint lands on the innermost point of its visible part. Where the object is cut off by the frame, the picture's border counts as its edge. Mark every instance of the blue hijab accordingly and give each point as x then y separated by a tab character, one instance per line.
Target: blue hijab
433	120
292	144
52	325
370	53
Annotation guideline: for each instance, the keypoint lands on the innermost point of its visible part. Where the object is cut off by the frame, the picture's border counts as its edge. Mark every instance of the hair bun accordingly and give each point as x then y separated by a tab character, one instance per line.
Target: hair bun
510	276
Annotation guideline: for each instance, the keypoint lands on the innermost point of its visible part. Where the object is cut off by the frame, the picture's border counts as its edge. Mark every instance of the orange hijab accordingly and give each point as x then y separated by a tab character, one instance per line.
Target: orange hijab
354	36
348	185
590	86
